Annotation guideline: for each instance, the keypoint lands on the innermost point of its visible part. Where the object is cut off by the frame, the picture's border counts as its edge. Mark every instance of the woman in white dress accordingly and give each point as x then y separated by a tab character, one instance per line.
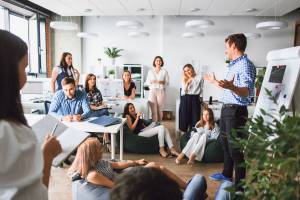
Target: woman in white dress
157	79
205	130
24	166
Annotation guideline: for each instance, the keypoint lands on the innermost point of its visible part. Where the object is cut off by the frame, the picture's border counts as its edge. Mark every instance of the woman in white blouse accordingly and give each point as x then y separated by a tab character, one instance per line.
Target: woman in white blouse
205	130
190	104
24	166
157	79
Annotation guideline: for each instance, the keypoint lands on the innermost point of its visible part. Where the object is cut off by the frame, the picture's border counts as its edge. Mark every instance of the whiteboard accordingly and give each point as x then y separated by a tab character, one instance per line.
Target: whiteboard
281	78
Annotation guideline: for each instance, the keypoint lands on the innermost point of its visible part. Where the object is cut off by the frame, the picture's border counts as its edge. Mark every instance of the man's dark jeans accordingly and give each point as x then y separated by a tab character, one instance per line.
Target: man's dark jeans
232	117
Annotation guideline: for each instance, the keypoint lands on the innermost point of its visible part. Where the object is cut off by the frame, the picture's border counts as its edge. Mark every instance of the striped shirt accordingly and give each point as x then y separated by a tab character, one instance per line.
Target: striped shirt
244	73
104	167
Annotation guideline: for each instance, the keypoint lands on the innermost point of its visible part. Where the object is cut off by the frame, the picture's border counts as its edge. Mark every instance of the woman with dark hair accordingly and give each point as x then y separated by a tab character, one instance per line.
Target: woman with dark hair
190	103
138	127
95	100
205	129
65	69
24	167
157	79
129	86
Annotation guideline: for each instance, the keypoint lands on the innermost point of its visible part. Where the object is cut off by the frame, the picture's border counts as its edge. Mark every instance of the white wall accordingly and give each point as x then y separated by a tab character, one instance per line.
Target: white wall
67	41
165	39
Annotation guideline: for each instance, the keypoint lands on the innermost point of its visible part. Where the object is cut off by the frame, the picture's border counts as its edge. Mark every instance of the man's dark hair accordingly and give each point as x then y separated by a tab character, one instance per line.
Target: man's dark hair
239	40
142	183
68	80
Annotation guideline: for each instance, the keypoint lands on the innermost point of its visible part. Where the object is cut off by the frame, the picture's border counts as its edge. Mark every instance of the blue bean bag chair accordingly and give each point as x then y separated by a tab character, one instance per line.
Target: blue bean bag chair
83	190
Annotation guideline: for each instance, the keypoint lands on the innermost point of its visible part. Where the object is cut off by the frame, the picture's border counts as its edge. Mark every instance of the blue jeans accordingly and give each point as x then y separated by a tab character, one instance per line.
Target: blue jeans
99	113
222	194
196	188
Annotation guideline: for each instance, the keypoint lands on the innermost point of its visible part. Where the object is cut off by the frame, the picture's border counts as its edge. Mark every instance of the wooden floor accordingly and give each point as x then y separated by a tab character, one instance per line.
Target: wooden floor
60	184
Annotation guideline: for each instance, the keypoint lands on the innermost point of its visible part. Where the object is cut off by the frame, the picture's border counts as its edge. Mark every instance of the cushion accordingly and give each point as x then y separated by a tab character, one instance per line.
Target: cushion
138	144
213	150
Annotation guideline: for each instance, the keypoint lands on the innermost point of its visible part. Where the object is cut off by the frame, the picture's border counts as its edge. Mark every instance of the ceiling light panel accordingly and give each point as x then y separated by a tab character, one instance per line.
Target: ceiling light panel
133	5
166	7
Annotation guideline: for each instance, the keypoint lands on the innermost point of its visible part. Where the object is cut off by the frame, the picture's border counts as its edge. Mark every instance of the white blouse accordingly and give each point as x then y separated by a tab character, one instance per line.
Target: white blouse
162	75
193	88
21	163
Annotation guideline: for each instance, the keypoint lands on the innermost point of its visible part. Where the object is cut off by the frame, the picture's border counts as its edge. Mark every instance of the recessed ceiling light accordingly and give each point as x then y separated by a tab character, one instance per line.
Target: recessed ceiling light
202	23
88	10
129	24
249	10
195	9
140	9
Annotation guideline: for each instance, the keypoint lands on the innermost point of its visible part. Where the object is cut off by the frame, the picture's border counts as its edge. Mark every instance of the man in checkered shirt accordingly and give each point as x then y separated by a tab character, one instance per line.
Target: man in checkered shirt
238	88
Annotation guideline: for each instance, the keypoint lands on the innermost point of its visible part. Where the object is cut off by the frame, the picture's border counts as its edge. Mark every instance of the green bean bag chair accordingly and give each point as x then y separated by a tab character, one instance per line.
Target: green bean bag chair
213	152
138	144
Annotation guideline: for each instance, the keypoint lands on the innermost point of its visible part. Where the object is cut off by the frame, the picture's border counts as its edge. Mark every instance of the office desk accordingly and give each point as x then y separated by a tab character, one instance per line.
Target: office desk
86	126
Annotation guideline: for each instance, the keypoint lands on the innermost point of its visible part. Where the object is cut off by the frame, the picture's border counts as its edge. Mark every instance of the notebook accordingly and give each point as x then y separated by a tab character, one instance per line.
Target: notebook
69	138
106	120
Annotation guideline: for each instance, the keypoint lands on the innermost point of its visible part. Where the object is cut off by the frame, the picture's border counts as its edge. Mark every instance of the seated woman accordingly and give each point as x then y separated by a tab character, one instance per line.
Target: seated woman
129	86
204	130
136	125
89	167
98	107
92	172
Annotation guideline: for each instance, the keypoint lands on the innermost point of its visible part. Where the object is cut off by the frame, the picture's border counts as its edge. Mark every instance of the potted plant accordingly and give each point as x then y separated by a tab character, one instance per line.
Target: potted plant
272	156
259	79
111	74
113	53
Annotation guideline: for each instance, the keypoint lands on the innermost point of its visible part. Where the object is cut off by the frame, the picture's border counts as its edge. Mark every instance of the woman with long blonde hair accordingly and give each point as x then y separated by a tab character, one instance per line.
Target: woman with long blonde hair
89	166
205	129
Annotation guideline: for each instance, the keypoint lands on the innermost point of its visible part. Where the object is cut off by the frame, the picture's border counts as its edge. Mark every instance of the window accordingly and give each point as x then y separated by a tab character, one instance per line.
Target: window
30	27
19	26
2	18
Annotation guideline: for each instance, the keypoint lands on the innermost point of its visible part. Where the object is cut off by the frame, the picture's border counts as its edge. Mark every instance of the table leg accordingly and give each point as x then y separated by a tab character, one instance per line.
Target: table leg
113	146
121	142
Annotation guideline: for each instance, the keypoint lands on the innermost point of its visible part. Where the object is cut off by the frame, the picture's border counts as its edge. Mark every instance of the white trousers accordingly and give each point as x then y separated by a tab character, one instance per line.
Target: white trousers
162	134
196	145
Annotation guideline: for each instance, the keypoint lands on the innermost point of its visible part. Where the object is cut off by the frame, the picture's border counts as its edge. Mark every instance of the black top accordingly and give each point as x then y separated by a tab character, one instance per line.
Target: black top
140	125
95	97
129	91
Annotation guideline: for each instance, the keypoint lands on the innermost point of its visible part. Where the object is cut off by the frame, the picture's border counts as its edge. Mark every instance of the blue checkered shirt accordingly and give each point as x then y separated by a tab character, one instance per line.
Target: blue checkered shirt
244	73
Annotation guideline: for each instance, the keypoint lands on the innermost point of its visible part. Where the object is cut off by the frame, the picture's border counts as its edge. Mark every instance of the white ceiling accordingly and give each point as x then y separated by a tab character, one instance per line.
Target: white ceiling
169	7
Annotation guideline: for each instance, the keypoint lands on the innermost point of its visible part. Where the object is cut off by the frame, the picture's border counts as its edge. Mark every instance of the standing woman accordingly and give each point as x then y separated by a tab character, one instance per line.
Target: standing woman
190	105
65	69
24	166
129	86
157	79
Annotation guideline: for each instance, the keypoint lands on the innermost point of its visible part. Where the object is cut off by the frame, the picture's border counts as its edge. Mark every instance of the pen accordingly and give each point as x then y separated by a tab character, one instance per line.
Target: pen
53	130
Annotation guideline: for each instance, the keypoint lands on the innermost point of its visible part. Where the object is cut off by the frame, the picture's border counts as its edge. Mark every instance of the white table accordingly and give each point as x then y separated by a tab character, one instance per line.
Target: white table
86	126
